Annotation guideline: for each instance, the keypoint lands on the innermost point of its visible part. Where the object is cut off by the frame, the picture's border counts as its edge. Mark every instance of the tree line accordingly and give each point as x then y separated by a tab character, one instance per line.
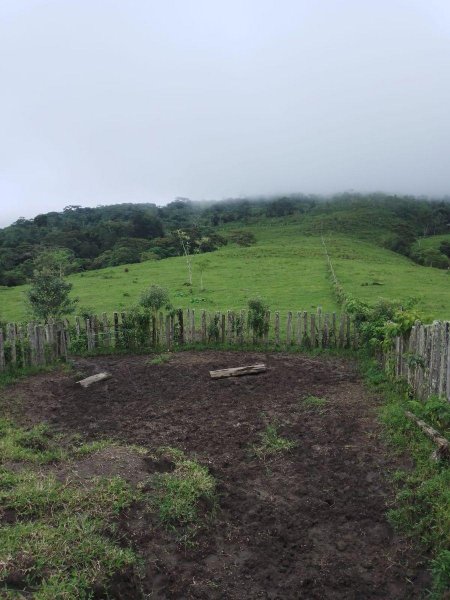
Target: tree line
128	233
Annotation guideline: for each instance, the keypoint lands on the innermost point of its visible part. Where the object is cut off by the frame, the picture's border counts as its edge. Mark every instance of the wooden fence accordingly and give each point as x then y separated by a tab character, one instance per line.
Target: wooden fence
36	344
423	359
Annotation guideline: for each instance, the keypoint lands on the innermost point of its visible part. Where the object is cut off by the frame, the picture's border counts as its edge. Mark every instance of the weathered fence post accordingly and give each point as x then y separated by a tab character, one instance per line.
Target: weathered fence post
11	336
229	328
23	345
63	342
277	328
319	326
266	327
442	377
193	332
105	330
116	329
299	329
39	343
180	325
313	331
32	342
325	335
305	337
240	330
77	326
2	351
204	338
289	329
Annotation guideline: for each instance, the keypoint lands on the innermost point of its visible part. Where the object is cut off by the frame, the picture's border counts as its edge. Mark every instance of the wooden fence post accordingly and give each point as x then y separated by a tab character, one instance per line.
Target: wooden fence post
2	351
229	328
277	328
32	342
266	327
319	326
443	359
116	329
240	332
448	363
90	345
167	332
289	329
298	329
106	334
305	336
11	337
193	332
63	346
204	338
39	344
161	329
325	334
313	331
180	325
23	346
78	326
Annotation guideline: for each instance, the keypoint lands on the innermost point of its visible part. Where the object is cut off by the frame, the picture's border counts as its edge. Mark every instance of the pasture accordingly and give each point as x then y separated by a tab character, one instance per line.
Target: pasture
285	267
262	486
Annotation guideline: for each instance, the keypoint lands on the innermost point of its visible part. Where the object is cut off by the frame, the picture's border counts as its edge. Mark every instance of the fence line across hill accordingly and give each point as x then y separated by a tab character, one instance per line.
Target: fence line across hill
36	344
423	359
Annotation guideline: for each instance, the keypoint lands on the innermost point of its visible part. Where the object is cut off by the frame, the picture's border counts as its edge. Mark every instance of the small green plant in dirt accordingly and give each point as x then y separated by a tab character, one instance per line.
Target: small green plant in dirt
159	359
182	492
271	443
314	402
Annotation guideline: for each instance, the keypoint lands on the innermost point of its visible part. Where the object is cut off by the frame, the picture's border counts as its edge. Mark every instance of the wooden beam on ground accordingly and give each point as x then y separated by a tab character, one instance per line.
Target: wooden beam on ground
94	379
443	445
238	371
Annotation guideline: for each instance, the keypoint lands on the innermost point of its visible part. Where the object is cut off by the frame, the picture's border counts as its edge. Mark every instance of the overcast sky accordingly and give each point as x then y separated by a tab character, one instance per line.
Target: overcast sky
106	101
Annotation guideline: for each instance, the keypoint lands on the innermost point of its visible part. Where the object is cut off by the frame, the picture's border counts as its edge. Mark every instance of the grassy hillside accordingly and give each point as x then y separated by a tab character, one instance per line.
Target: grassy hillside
432	241
286	267
371	272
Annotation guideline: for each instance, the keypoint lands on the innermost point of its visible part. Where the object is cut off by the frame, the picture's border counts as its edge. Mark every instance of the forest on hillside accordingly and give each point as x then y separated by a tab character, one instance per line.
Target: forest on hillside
105	236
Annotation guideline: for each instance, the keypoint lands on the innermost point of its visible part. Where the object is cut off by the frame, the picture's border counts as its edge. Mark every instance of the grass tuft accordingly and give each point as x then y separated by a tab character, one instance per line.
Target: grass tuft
57	538
159	359
314	402
272	443
35	445
180	492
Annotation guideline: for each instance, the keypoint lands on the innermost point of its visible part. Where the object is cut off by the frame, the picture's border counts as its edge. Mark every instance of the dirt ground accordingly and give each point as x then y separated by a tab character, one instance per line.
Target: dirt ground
307	524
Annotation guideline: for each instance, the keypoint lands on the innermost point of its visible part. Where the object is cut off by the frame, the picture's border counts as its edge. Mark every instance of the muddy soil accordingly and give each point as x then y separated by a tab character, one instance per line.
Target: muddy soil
309	523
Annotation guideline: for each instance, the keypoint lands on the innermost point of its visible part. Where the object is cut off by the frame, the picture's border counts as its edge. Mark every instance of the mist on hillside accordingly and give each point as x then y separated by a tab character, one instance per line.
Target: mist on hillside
107	103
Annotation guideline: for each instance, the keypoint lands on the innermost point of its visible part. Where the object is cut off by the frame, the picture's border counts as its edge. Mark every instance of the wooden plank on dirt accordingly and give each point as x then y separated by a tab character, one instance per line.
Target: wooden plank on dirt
94	379
443	445
238	371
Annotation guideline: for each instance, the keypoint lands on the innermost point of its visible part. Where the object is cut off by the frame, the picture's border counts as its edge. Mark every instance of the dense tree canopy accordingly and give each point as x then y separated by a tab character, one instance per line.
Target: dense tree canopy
126	233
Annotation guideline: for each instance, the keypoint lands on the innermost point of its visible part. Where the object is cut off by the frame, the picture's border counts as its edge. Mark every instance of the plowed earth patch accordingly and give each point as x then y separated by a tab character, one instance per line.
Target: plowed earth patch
307	523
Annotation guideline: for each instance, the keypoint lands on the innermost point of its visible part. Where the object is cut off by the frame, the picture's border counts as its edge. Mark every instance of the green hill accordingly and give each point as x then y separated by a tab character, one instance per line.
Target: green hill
285	266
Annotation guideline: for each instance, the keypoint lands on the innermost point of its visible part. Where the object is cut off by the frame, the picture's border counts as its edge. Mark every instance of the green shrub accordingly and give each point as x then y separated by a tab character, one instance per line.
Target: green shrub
257	317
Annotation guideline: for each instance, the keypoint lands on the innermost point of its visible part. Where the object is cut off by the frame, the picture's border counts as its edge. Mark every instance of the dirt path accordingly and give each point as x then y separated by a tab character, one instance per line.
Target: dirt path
308	524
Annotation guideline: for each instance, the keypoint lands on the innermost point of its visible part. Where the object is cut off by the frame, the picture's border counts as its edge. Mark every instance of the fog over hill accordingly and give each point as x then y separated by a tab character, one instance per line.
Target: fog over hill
142	101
